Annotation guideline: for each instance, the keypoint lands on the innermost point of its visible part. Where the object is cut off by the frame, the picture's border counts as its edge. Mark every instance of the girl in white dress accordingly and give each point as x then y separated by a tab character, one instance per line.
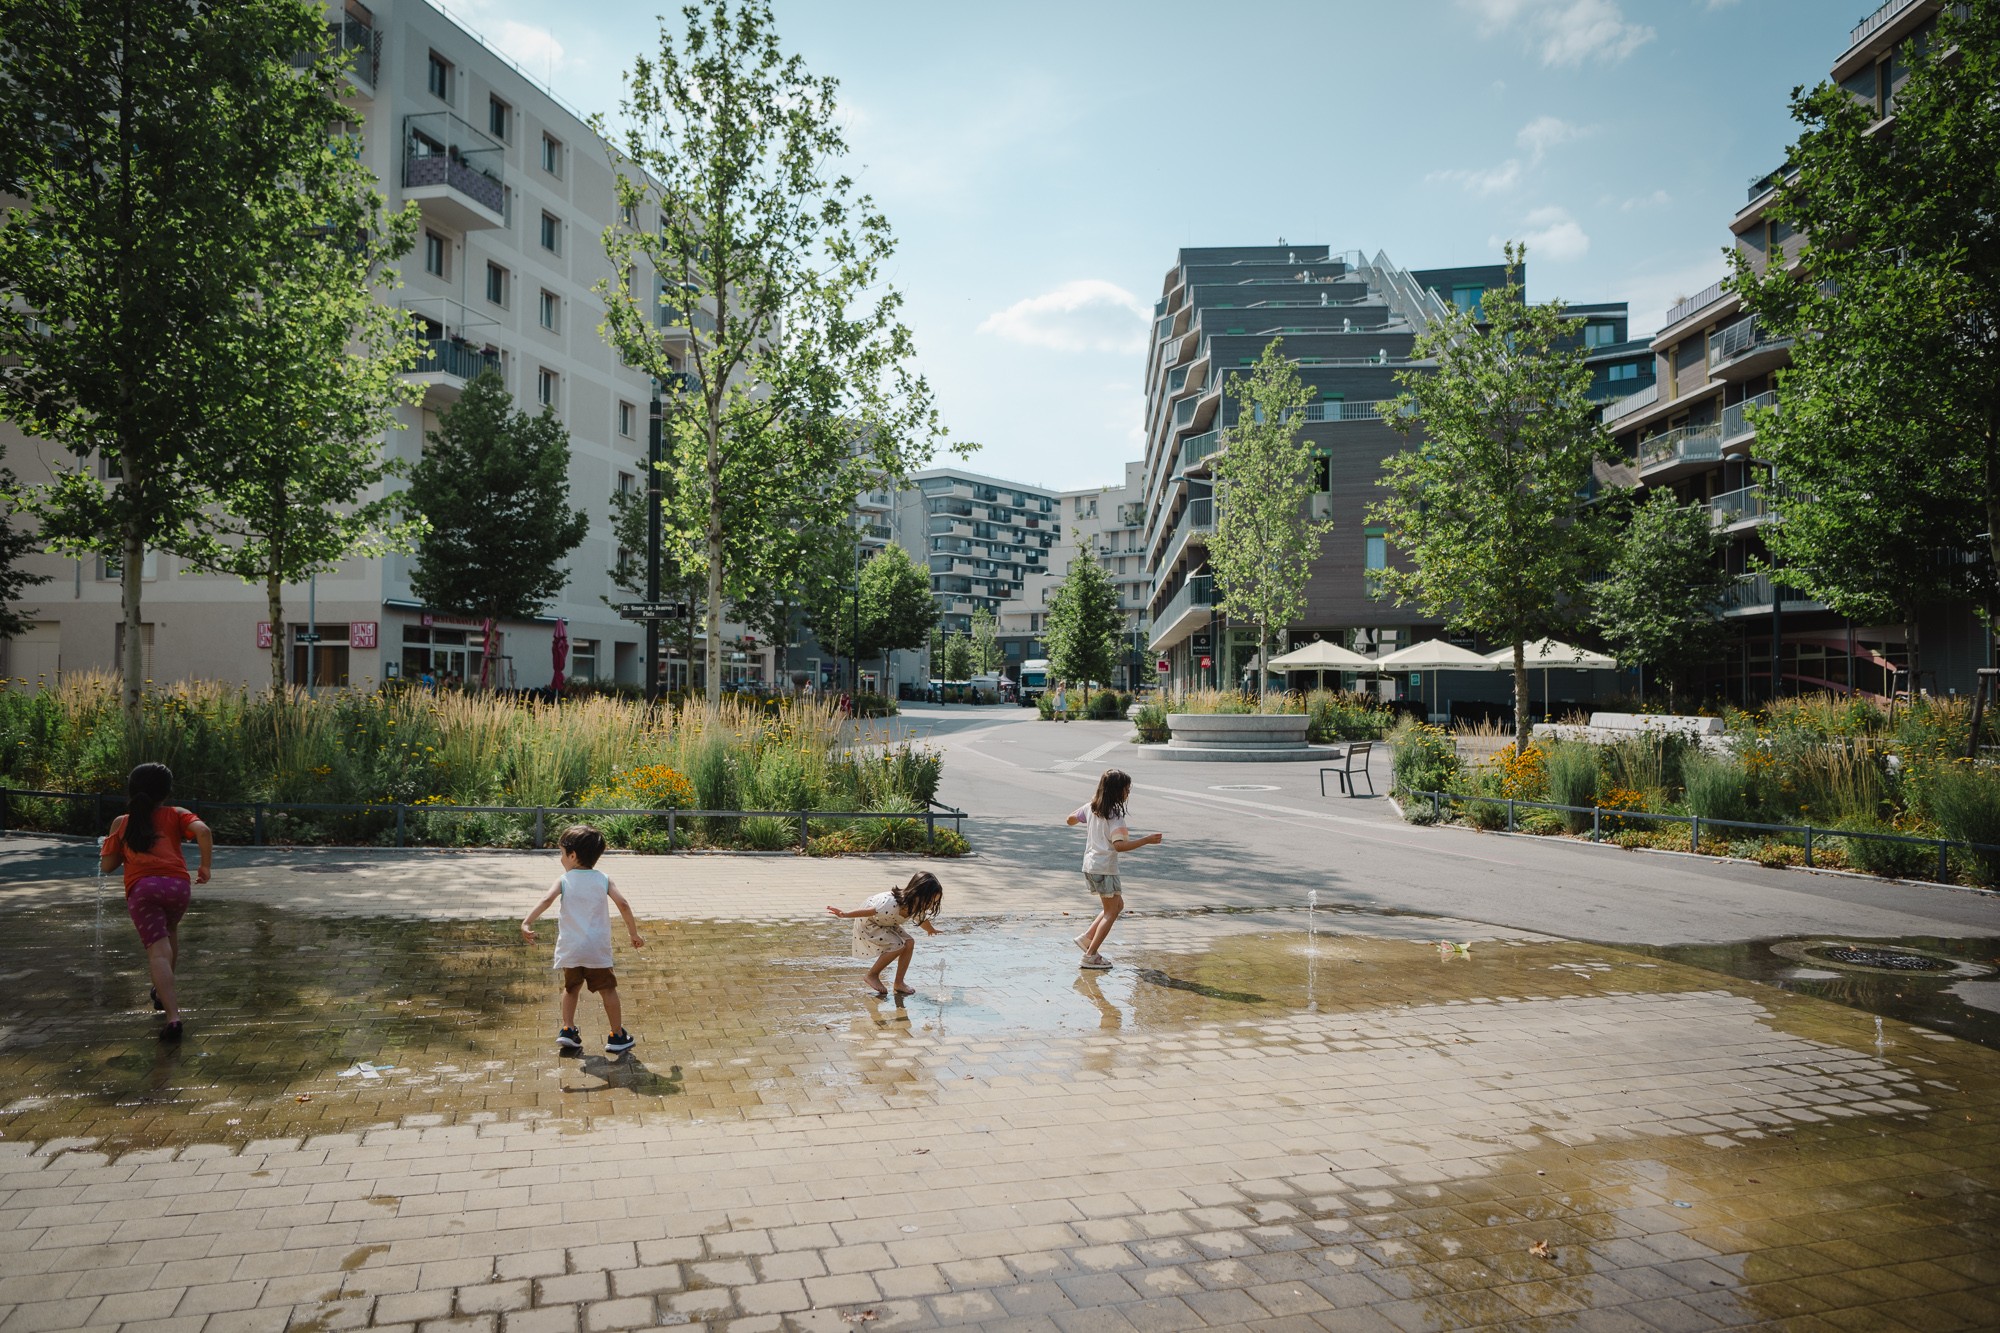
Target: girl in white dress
879	927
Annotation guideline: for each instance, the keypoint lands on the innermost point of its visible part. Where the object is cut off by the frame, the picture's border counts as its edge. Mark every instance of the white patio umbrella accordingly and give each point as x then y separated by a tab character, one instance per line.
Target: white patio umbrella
1546	653
1321	656
1434	655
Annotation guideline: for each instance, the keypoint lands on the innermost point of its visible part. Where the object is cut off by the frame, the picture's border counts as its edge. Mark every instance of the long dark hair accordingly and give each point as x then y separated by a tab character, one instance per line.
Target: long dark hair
920	899
1112	790
145	791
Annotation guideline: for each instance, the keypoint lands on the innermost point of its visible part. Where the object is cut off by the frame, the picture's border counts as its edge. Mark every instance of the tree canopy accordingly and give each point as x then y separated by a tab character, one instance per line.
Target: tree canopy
1083	622
1656	604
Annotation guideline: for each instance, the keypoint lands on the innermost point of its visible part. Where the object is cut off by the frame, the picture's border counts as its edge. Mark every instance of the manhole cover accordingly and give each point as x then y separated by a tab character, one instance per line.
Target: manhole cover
1244	786
1894	960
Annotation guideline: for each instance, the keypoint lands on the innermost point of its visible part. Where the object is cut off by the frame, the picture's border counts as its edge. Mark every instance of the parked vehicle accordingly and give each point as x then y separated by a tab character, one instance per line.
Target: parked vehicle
1034	680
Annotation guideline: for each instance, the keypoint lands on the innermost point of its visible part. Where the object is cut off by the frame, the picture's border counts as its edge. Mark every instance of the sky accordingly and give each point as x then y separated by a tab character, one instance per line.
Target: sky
1041	163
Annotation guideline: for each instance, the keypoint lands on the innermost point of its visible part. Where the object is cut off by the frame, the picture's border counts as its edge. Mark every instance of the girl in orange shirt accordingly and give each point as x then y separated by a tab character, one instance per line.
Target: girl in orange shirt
146	840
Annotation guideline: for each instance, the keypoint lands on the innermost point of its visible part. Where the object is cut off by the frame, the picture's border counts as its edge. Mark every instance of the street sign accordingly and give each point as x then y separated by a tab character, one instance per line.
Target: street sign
653	610
305	636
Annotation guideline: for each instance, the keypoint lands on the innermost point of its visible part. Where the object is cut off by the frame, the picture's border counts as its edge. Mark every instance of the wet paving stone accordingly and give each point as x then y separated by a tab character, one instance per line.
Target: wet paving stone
368	1125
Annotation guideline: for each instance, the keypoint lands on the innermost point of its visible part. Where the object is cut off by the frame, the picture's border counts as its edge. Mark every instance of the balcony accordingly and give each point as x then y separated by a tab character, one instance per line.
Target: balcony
1373	409
876	532
1701	300
452	170
1196	519
1197	447
1755	594
1744	351
358	40
1741	508
445	365
1677	449
1736	423
1184	611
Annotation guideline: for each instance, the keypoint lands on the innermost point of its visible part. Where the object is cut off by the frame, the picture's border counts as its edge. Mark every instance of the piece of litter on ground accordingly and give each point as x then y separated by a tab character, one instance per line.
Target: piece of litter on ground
365	1070
1540	1249
909	1228
858	1317
1682	1203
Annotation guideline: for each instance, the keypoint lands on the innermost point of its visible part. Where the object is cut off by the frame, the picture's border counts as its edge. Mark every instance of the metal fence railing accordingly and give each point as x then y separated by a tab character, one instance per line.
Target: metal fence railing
396	817
1696	823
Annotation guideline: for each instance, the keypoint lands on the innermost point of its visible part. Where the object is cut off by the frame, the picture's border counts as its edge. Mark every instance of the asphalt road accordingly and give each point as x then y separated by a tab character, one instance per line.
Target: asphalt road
1261	835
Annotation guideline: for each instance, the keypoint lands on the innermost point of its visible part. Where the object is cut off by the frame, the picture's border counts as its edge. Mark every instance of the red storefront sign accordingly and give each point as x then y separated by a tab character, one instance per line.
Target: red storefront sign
1164	665
361	634
264	634
1205	664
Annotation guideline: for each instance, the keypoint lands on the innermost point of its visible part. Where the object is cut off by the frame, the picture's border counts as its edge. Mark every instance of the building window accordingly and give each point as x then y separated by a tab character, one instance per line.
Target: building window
550	311
434	250
545	387
1468	299
583	659
551	234
1599	335
552	150
496	283
628	418
1628	371
439	78
499	118
1375	557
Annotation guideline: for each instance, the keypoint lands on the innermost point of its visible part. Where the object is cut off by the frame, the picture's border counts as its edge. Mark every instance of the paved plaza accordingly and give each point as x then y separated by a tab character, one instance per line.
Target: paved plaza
1480	1082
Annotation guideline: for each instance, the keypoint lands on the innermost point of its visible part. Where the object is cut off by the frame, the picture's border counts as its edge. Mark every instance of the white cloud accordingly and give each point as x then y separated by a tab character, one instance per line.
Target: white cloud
1657	199
1545	132
1565	32
1549	233
1651	290
1087	315
1490	180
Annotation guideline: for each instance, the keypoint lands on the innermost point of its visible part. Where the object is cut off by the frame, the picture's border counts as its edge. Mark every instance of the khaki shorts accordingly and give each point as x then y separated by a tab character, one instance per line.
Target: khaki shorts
598	978
1104	886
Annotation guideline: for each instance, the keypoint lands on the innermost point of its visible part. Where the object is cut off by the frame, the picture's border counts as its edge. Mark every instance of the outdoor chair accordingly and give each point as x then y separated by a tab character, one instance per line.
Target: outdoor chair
1354	764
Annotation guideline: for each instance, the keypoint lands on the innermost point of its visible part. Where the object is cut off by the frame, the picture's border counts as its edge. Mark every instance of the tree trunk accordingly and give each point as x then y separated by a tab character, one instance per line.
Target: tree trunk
134	664
274	596
1263	659
714	618
486	655
1523	728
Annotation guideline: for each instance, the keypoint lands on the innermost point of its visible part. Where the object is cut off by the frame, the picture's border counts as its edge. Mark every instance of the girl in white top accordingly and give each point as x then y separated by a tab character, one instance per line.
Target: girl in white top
1107	834
879	922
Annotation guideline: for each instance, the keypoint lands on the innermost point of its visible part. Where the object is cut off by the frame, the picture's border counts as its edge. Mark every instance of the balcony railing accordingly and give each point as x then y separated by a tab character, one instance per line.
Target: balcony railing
1736	423
1372	409
1748	504
1197	592
362	44
1701	300
446	356
1197	447
880	531
1871	25
1684	444
1739	339
1753	591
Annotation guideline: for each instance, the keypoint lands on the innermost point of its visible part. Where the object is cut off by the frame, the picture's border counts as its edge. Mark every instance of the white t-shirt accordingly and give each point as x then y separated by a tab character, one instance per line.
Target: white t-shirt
1099	856
583	920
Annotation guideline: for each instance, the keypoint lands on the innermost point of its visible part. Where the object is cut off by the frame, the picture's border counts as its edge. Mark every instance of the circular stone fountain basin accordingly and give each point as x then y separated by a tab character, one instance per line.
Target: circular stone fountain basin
1259	738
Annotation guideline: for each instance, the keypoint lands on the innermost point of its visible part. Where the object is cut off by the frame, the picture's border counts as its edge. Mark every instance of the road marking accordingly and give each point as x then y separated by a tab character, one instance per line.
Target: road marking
1064	765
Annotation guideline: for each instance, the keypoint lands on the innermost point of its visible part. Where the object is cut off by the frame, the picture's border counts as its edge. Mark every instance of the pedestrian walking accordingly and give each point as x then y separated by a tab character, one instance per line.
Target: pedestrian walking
146	840
583	936
879	927
1107	833
1059	707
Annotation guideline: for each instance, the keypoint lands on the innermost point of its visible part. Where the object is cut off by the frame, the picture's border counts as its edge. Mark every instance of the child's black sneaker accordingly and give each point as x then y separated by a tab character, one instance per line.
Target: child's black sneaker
620	1042
172	1032
570	1039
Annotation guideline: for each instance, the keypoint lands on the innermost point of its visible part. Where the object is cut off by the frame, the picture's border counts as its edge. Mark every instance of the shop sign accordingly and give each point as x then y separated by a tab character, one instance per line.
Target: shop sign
264	634
1205	664
361	634
1164	665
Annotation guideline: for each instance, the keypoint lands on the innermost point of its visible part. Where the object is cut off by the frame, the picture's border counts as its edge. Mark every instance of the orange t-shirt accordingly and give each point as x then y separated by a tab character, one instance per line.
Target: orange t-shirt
171	825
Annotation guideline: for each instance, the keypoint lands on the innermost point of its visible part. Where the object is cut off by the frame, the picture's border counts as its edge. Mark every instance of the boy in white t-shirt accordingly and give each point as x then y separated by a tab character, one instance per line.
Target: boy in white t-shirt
1107	835
583	935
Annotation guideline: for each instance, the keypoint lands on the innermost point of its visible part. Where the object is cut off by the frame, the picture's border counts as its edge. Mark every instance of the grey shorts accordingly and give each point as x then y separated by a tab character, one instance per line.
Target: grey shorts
1104	886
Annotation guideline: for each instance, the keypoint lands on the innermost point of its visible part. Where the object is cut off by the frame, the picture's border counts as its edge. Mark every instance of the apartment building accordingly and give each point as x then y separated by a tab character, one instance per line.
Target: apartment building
1349	324
1109	522
514	190
1691	432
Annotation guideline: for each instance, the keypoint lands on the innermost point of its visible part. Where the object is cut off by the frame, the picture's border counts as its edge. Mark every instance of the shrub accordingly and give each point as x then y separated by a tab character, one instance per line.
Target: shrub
1107	705
1425	759
1892	860
1522	774
1716	787
1151	720
1572	780
767	833
866	704
1338	715
1545	822
1964	801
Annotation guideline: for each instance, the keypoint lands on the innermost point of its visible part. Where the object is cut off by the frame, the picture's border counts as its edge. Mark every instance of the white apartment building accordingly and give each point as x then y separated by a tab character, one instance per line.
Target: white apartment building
514	191
1110	520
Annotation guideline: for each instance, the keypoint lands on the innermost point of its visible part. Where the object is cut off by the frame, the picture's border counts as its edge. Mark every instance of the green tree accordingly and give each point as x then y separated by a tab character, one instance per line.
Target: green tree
1082	629
1490	509
494	488
896	603
16	542
1656	603
304	491
986	654
166	157
955	662
679	582
1264	542
750	261
1887	433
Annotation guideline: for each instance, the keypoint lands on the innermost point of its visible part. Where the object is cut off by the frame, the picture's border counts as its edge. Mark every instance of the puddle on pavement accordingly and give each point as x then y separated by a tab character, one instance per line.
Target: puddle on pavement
1941	997
303	1025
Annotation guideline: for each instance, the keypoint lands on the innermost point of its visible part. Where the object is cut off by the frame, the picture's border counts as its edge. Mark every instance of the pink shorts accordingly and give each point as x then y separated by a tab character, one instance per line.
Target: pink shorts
156	905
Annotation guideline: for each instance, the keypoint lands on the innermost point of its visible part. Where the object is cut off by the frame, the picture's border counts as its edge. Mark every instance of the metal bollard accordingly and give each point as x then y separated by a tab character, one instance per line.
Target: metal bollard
670	832
1510	814
1597	823
805	832
538	827
1809	860
1944	862
930	831
1695	825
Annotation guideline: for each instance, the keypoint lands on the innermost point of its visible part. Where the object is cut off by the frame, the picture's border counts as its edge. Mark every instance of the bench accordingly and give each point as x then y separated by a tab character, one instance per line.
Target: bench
1354	764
